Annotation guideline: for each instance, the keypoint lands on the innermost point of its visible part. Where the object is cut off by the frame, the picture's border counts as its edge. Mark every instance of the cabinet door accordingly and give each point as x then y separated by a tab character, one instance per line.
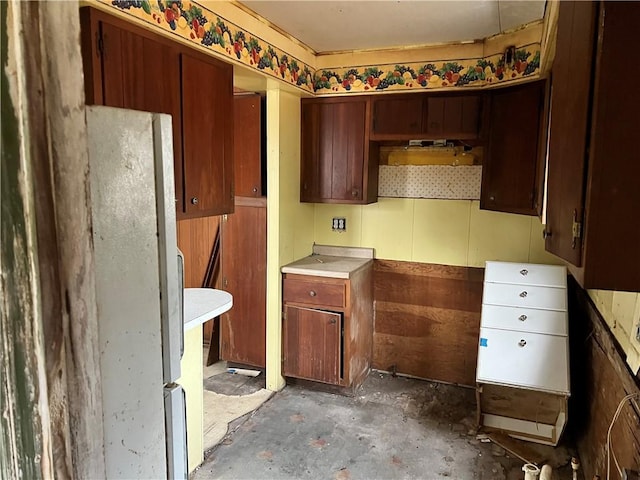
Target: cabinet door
207	126
511	177
570	103
334	151
311	344
247	136
310	152
244	261
397	115
453	117
134	72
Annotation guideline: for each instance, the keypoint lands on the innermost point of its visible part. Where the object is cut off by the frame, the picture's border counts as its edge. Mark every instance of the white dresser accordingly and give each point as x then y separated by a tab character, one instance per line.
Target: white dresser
523	351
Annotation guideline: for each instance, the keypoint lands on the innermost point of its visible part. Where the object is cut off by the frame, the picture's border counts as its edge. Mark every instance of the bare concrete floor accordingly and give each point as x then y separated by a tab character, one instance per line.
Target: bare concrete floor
394	428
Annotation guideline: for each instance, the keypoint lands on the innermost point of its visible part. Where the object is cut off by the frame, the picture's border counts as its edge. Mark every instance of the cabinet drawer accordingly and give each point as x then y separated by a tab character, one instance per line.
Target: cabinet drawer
526	274
525	296
524	359
314	293
553	322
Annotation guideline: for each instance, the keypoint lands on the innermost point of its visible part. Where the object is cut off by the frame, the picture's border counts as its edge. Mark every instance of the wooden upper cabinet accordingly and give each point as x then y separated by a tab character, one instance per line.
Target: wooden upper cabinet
425	116
593	196
455	117
569	129
247	138
512	169
129	67
207	126
335	164
395	116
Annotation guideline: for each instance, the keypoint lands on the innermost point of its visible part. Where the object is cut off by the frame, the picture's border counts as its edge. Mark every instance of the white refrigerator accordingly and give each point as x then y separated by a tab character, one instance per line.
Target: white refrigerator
139	285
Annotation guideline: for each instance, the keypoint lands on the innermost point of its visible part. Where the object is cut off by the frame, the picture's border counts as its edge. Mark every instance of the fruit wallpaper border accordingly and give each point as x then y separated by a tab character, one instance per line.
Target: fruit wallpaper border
524	61
203	27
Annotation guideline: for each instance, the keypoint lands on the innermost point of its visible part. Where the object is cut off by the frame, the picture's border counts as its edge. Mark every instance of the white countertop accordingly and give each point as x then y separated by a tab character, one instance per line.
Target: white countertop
202	304
332	262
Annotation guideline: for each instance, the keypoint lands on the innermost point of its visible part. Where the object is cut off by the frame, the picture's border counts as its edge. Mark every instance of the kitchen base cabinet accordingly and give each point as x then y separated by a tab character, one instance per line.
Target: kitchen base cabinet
313	342
327	328
523	352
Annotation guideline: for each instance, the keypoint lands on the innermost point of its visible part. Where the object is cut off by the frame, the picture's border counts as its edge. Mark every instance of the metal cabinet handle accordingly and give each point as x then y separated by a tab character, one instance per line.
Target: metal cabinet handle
312	293
254	189
523	294
546	233
524	272
194	200
522	343
354	192
522	318
332	321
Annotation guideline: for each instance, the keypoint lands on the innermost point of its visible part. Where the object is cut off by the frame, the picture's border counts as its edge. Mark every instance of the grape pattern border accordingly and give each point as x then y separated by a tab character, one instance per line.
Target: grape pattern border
201	26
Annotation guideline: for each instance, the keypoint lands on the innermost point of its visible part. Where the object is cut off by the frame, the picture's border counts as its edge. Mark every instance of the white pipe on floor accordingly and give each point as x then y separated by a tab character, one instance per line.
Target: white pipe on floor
546	473
531	472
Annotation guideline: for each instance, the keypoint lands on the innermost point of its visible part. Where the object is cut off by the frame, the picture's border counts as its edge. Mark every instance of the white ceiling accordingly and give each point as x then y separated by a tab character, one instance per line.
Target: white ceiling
330	26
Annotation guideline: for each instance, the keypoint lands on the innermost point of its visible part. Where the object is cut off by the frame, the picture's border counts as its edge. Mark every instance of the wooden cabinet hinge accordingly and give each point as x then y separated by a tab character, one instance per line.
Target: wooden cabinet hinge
576	229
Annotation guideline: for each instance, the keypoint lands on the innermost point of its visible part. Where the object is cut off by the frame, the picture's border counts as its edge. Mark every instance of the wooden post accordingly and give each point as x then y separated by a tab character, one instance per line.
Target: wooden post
48	325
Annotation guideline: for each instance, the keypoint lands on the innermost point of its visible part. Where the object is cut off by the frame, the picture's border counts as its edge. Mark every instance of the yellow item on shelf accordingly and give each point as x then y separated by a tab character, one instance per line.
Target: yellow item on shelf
431	156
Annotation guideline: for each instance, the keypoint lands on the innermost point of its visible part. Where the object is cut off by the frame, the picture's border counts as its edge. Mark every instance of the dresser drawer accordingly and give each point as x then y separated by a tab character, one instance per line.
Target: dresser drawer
531	360
526	274
314	292
552	322
524	296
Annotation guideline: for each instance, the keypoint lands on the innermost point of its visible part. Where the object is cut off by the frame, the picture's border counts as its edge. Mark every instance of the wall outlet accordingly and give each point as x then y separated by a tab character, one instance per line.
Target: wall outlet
339	224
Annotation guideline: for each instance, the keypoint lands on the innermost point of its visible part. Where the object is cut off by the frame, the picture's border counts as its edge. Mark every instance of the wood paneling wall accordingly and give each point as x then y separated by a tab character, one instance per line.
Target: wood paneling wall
427	320
600	380
195	240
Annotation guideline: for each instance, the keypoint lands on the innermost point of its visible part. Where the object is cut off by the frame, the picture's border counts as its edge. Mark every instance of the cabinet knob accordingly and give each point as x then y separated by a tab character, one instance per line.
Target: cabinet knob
524	272
523	294
312	293
254	189
522	343
522	318
332	321
194	200
546	233
354	192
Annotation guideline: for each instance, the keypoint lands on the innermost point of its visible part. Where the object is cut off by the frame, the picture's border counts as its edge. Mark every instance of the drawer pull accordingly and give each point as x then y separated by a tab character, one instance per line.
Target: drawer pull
312	293
523	294
522	342
524	272
522	318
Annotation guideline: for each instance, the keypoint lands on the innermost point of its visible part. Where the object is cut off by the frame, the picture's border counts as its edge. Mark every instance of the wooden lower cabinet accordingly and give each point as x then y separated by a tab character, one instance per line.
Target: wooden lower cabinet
312	340
327	328
244	261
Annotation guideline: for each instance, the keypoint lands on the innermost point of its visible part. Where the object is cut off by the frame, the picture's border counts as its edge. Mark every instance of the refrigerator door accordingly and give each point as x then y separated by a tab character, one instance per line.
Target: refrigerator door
128	290
170	277
176	425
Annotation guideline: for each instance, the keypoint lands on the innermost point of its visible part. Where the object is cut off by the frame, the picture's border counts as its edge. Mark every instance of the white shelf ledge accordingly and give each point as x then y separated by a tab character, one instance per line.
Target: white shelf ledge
202	304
